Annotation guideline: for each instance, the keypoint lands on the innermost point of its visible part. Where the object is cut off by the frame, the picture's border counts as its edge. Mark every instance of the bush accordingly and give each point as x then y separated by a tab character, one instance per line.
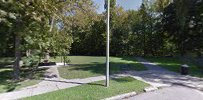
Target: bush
31	61
66	60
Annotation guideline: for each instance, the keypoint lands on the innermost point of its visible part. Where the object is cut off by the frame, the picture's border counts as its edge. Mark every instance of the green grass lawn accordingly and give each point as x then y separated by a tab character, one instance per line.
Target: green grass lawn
6	61
174	64
7	84
88	66
95	91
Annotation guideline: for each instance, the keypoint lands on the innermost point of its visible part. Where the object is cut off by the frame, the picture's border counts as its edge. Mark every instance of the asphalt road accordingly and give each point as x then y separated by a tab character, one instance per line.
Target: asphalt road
171	93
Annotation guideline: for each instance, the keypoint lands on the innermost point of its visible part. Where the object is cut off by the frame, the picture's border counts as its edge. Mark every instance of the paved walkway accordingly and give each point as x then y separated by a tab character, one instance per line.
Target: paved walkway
157	75
176	86
150	66
48	85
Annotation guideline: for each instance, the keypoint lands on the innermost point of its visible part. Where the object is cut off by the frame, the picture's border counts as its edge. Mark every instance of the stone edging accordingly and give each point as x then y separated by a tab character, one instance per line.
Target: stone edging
127	95
122	96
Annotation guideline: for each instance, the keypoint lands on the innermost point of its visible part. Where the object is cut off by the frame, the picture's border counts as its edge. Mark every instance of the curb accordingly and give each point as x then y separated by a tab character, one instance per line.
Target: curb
122	96
150	89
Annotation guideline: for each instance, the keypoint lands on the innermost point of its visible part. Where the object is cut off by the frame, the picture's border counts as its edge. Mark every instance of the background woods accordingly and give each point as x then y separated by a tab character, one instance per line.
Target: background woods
36	29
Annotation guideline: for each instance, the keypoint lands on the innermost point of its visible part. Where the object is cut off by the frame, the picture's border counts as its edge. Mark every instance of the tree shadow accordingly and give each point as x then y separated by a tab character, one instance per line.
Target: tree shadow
6	62
9	84
35	73
98	68
7	81
96	84
123	79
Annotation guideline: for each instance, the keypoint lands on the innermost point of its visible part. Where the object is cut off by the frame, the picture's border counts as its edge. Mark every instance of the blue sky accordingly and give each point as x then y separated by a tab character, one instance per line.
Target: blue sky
126	4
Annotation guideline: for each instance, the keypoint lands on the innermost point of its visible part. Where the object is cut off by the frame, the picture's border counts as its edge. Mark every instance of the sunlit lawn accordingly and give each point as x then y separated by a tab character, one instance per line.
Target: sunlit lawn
95	91
88	66
174	64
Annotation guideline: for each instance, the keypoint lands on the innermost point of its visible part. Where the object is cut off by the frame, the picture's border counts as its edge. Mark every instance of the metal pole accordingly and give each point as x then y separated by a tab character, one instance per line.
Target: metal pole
107	44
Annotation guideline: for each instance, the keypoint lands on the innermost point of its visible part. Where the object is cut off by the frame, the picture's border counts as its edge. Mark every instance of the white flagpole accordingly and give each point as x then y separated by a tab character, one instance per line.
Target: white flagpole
107	44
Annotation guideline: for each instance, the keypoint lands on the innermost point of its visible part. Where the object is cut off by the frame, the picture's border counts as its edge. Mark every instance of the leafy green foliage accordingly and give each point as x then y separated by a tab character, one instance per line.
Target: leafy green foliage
31	61
157	28
41	25
181	22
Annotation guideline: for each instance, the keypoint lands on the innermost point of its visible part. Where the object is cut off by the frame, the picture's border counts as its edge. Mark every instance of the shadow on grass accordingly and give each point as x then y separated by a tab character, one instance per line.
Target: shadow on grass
6	77
6	62
96	84
9	84
123	79
99	68
90	67
6	80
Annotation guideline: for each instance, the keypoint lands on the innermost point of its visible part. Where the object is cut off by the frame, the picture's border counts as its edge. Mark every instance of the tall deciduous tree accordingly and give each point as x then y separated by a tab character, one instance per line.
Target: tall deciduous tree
42	25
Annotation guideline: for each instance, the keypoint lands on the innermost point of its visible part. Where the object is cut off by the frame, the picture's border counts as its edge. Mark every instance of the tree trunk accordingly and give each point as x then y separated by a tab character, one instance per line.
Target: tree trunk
47	55
28	52
144	46
199	54
52	23
16	67
64	60
61	58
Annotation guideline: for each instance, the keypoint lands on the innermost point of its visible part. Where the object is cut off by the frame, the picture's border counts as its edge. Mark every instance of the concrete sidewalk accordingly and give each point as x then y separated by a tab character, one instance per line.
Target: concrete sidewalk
48	85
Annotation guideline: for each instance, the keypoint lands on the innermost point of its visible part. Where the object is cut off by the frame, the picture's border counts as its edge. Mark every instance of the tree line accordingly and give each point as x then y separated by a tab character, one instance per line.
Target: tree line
157	28
38	28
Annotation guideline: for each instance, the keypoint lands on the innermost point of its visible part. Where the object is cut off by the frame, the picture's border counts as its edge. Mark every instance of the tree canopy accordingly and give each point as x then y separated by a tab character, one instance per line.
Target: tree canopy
62	27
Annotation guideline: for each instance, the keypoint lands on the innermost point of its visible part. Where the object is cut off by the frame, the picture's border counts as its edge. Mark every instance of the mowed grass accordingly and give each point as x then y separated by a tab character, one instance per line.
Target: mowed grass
7	84
88	66
174	64
95	91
